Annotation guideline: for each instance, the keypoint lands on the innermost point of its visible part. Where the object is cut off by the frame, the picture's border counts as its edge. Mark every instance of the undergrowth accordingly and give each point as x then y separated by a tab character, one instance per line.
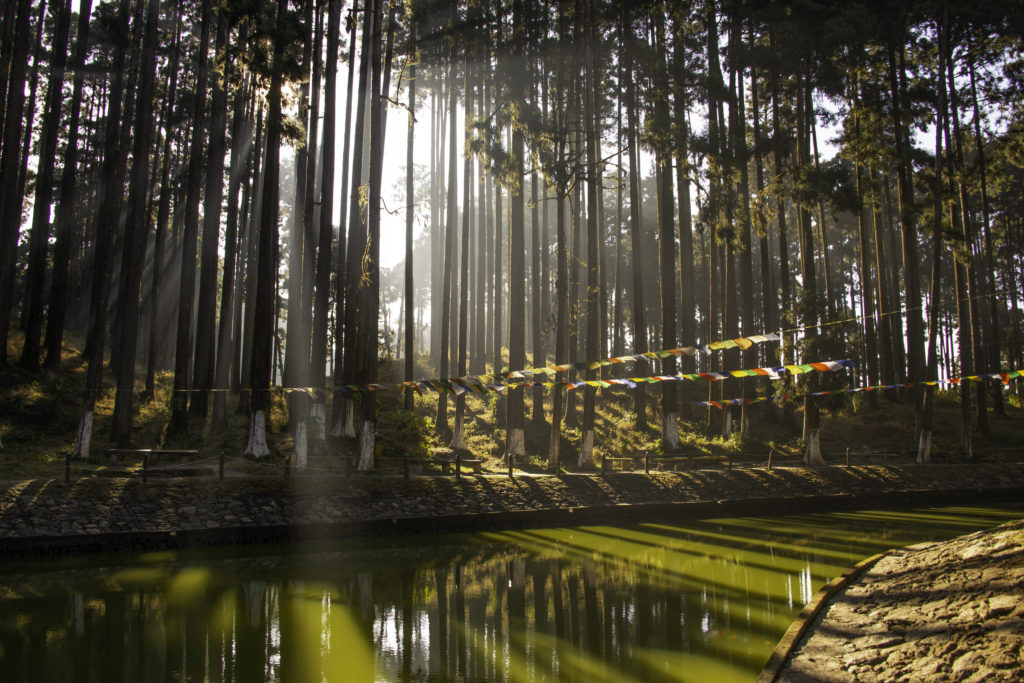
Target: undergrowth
39	415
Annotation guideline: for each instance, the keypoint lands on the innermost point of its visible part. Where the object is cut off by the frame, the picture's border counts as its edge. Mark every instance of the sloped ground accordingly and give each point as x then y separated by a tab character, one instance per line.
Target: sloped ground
951	611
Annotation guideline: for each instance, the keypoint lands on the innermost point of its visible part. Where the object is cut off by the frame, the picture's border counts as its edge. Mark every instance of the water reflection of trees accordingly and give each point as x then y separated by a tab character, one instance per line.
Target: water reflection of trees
654	602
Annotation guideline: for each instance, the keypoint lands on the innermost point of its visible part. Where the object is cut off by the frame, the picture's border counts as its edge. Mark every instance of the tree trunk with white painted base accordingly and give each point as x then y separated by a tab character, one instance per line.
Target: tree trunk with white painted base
924	448
586	458
366	444
81	449
459	432
670	431
257	446
812	456
316	427
516	443
301	442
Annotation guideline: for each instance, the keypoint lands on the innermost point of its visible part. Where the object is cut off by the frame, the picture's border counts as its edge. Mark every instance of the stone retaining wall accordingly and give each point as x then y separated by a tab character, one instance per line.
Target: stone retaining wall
43	515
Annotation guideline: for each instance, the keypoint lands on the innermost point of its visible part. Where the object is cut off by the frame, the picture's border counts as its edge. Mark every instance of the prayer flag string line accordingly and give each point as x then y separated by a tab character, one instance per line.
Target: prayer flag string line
1003	377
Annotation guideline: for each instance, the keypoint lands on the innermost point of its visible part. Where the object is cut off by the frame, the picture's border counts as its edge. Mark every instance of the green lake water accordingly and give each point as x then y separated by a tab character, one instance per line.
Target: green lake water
663	601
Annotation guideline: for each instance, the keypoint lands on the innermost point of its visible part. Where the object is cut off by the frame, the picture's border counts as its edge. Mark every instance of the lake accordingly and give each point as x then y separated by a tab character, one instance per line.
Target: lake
668	601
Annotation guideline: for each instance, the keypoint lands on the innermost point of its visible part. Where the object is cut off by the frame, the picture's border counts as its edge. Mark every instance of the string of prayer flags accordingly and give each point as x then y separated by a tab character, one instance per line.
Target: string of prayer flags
1003	377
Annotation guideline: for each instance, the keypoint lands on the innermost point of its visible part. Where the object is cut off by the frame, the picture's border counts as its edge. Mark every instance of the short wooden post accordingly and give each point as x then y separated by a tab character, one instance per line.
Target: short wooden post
847	457
220	468
67	468
458	465
288	466
348	465
510	474
771	452
689	461
405	466
145	468
647	462
728	465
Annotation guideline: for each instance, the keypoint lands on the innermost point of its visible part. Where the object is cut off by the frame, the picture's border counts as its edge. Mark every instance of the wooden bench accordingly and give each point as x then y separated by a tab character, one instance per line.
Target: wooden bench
624	463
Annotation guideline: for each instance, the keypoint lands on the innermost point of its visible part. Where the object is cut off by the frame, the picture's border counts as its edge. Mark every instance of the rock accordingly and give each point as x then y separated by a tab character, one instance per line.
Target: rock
1000	605
967	664
985	673
878	642
862	658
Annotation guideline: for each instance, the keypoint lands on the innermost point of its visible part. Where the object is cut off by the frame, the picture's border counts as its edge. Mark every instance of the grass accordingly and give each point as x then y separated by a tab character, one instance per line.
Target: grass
39	414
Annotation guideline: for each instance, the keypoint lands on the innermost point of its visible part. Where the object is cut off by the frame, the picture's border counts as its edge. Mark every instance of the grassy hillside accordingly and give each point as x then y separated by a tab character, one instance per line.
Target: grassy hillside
39	415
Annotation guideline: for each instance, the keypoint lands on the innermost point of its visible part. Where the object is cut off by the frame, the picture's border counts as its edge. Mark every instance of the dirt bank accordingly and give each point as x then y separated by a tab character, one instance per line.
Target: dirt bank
951	611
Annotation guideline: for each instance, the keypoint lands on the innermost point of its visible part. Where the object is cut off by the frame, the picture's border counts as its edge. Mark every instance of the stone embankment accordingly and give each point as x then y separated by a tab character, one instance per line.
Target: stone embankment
94	513
951	611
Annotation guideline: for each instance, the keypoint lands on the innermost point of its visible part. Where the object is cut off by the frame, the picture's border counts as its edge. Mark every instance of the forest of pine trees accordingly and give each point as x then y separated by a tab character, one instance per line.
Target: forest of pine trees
202	187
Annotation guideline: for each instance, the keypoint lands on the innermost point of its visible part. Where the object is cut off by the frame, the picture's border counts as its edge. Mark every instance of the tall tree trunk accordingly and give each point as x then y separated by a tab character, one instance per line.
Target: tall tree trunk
593	178
746	257
186	287
26	142
341	405
924	448
687	283
317	429
809	291
410	214
458	433
517	248
134	245
300	255
160	268
786	303
112	181
536	309
979	355
667	244
911	279
39	237
356	243
370	299
10	163
225	324
266	274
635	229
994	304
885	309
441	422
67	198
206	339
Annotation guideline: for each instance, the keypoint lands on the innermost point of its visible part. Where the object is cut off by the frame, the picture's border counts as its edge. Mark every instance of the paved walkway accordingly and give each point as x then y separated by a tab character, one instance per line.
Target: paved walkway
950	611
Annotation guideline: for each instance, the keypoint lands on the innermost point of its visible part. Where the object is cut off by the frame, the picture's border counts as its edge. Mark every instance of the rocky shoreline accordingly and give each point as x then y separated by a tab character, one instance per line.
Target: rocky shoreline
124	513
951	611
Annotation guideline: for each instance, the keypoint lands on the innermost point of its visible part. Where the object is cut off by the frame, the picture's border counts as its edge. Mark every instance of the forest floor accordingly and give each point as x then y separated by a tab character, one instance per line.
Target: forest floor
951	611
39	415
